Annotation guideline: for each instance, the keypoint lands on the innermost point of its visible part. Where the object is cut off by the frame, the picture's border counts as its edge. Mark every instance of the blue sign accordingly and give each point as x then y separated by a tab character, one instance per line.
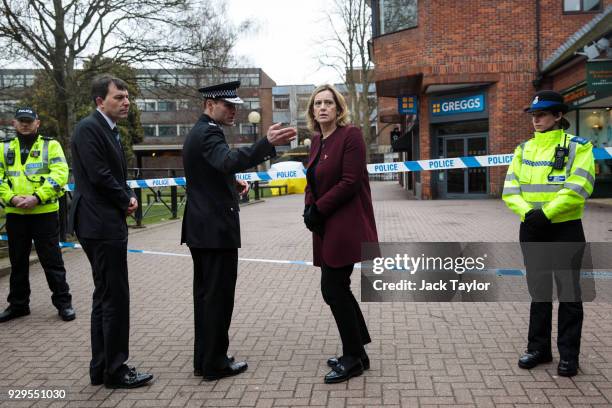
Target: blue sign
408	105
457	106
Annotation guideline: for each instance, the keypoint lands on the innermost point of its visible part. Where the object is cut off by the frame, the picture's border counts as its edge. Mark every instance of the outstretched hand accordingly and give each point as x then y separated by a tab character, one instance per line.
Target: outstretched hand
280	136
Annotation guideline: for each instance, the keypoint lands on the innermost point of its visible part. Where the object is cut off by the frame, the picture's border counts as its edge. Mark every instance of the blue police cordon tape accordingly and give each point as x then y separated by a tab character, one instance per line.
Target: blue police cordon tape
498	272
376	168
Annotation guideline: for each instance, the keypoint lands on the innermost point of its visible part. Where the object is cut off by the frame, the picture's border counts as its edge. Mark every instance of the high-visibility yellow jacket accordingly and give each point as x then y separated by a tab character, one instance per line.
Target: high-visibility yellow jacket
45	173
531	181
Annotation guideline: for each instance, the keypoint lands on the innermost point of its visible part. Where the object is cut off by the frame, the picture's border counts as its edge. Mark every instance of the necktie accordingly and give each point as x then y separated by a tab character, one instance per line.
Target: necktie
116	134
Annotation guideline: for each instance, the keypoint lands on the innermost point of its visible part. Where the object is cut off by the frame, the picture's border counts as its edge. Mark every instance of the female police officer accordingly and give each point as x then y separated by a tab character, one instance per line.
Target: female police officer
548	181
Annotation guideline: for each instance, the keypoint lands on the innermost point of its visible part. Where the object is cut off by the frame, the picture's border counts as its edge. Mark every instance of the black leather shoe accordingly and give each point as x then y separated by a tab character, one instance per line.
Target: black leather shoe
198	373
129	379
232	369
365	360
568	368
67	314
532	358
340	372
96	381
11	313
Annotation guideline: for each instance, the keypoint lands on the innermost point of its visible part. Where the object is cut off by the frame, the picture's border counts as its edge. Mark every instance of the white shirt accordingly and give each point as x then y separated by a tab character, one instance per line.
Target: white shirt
108	120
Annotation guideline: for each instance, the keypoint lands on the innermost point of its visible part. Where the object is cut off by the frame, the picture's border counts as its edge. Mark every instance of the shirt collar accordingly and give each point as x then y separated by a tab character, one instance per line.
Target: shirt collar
108	120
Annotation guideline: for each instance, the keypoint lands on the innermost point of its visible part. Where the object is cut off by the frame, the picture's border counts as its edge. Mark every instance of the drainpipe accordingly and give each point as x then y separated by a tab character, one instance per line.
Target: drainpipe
538	20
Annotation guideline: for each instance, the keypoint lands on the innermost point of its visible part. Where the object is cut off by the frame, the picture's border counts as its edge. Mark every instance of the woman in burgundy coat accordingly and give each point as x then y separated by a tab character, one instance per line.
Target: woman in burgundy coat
339	213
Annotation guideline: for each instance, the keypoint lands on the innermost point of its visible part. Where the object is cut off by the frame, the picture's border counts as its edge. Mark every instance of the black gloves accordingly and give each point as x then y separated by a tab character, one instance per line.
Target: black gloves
313	219
536	219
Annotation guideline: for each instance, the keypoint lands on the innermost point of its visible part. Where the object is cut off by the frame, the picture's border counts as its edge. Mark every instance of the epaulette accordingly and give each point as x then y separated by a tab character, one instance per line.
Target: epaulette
212	124
578	139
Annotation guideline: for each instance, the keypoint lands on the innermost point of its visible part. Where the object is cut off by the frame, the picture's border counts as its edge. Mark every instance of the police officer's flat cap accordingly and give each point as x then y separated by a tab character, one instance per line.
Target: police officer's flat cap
226	92
26	113
548	101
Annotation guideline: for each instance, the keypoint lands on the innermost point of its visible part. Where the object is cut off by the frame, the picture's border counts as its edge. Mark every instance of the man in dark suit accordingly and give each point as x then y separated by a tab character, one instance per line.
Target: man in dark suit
211	226
101	202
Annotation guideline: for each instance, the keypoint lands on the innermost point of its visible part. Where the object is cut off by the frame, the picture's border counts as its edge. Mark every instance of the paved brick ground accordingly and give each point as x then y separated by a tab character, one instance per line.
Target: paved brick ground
423	354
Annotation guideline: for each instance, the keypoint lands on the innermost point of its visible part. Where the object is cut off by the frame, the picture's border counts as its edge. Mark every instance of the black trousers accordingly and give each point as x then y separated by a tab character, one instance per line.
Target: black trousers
110	312
44	230
570	315
214	284
336	290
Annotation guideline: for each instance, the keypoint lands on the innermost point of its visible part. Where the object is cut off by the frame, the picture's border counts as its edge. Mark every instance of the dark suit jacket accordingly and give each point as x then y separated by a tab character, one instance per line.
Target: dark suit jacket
211	214
343	197
101	195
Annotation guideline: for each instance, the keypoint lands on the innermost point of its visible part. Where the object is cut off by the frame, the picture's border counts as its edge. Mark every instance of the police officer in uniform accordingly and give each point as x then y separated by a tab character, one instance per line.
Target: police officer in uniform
548	181
211	226
33	173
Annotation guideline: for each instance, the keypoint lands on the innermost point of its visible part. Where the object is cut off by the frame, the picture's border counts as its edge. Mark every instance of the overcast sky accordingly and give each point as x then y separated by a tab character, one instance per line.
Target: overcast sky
285	44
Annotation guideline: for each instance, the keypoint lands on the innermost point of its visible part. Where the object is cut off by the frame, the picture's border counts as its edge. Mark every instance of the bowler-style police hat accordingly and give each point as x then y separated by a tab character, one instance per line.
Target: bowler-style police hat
26	113
225	92
550	101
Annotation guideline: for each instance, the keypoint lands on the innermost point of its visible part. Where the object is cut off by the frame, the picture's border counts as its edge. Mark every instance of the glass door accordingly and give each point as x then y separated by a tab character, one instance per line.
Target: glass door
455	179
463	183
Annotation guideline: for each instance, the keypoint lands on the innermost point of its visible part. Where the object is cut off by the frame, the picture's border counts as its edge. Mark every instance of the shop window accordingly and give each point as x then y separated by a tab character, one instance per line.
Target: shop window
596	125
581	6
395	15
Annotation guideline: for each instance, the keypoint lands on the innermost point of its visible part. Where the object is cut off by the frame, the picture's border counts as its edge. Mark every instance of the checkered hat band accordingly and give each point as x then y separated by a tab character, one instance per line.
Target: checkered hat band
220	94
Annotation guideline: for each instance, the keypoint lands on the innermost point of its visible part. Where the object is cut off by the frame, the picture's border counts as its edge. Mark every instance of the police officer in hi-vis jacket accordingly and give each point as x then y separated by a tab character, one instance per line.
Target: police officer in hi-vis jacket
33	173
548	181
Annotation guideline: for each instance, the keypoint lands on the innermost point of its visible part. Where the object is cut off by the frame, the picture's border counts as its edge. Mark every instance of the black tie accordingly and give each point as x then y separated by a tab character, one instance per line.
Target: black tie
116	134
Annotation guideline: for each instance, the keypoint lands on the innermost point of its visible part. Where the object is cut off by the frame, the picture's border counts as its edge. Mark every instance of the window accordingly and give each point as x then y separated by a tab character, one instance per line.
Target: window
146	105
8	106
166	130
187	80
182	104
13	81
165	80
157	105
166	106
29	79
395	15
248	129
145	82
251	104
249	80
281	102
578	6
184	129
149	130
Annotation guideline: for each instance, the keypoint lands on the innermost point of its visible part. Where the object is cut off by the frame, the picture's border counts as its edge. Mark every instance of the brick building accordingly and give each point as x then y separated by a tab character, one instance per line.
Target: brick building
471	67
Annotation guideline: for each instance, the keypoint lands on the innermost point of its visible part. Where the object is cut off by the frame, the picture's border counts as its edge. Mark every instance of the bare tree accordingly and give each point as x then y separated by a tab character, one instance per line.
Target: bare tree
58	35
346	51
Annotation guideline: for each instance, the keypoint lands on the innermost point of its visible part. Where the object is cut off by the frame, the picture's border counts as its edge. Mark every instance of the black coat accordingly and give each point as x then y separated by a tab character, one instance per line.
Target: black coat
101	196
211	214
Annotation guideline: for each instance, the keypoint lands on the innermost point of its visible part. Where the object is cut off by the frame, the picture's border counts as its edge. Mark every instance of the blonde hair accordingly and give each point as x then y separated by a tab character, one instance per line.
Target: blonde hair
343	114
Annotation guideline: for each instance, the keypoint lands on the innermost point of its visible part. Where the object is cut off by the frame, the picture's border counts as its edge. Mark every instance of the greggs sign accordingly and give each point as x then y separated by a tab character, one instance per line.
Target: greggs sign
456	106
